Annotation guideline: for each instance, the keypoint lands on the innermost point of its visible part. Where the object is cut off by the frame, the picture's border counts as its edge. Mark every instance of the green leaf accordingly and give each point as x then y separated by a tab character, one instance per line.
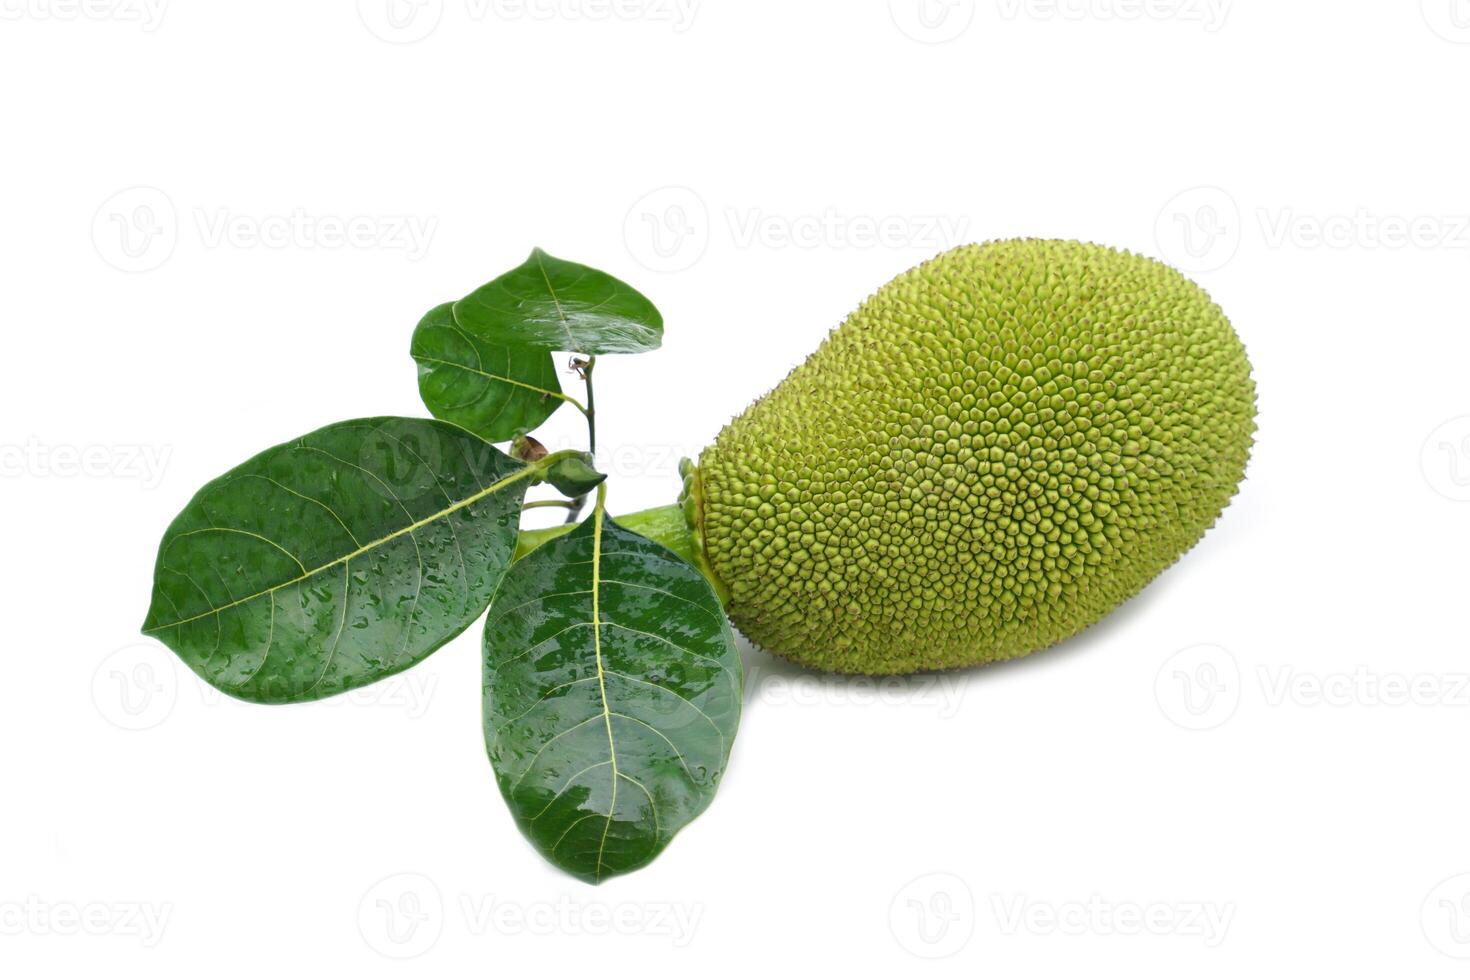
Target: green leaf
612	696
574	476
494	390
337	559
555	305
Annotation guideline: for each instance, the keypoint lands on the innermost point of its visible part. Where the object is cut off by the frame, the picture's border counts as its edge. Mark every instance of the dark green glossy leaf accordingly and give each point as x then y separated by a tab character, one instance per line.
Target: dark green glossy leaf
555	305
332	561
574	476
494	390
612	695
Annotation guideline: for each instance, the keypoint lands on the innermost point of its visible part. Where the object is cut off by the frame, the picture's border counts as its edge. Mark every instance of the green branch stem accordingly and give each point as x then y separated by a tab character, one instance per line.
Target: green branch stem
574	508
568	399
590	411
533	504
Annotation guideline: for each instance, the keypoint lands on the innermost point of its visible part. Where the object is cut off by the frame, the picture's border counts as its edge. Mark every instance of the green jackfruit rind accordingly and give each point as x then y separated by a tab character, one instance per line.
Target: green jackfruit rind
989	455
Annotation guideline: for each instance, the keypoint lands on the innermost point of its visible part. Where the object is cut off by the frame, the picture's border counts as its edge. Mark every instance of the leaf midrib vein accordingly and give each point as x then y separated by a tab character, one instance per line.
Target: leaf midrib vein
566	327
371	545
612	750
493	377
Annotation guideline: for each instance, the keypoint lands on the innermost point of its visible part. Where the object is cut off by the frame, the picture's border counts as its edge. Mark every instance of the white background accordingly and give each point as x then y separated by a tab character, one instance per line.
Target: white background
1256	766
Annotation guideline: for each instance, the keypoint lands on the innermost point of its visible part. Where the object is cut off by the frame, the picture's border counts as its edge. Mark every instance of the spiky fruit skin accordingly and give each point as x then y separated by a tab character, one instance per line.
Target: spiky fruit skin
990	454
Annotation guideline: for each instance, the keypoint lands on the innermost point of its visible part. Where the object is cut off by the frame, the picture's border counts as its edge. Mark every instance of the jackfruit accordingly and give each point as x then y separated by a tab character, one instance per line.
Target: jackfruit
994	451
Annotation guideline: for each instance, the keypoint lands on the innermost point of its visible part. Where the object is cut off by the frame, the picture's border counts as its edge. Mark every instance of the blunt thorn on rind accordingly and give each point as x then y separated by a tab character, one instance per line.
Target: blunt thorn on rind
990	454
